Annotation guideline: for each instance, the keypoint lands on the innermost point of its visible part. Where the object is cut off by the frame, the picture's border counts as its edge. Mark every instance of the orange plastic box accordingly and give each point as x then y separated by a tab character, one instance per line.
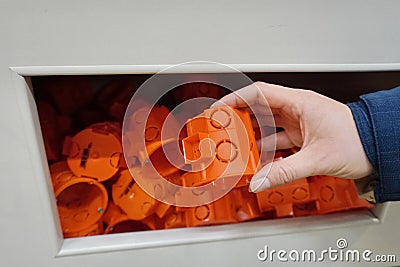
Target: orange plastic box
95	152
281	200
115	96
246	205
81	201
221	143
199	89
174	219
335	194
221	211
147	124
156	137
118	221
95	229
128	195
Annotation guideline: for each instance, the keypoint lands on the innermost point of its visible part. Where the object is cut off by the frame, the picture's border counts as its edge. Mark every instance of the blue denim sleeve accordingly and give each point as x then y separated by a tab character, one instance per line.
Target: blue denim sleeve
377	116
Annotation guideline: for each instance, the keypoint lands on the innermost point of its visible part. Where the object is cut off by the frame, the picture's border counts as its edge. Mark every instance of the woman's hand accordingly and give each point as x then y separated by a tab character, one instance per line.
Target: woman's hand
322	127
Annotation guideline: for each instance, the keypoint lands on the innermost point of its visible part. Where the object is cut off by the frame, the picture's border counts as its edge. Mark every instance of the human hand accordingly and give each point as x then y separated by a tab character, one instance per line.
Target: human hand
323	128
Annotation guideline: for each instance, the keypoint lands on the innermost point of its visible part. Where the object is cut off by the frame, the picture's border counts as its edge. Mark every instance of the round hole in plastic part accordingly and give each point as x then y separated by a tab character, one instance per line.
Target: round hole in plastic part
220	119
275	198
299	193
327	193
202	212
226	151
79	204
128	226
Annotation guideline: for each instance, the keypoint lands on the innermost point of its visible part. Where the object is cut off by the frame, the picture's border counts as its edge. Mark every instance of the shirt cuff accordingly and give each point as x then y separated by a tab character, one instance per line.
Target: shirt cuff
377	116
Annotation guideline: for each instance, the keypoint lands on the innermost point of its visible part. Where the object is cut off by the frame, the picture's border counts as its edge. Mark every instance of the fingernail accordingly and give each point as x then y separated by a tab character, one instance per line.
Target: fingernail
259	184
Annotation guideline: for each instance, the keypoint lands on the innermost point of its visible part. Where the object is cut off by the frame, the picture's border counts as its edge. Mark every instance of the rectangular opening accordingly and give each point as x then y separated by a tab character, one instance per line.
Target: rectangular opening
72	103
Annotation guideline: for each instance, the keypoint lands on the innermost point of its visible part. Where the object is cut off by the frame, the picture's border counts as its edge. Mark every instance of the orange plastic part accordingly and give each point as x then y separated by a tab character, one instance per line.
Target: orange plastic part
69	94
118	222
50	130
151	131
335	194
246	205
221	211
199	89
54	128
81	201
115	96
156	157
175	219
150	128
95	152
128	195
95	229
223	140
281	200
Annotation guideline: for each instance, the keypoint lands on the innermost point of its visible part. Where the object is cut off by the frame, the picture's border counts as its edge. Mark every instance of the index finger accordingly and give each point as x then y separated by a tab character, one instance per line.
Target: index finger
261	93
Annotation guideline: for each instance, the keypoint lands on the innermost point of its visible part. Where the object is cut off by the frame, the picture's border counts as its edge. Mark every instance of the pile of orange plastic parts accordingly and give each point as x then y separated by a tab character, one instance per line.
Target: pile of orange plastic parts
96	192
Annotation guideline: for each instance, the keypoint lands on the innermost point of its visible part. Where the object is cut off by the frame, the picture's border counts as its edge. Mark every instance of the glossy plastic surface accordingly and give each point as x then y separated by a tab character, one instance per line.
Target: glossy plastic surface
81	201
95	152
221	144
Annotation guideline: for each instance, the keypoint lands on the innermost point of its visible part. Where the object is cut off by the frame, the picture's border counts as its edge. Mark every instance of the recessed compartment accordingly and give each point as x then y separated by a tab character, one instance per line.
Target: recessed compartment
70	104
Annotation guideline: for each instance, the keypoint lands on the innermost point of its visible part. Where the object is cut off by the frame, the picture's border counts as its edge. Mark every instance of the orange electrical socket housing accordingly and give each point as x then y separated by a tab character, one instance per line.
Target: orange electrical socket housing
95	229
128	195
222	140
95	152
69	94
151	130
246	206
221	211
152	126
54	128
237	206
81	201
115	96
118	221
199	89
174	219
50	131
282	199
335	194
313	195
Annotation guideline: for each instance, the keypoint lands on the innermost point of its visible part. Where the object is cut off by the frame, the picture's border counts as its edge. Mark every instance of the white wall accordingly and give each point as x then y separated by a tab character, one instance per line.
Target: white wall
57	33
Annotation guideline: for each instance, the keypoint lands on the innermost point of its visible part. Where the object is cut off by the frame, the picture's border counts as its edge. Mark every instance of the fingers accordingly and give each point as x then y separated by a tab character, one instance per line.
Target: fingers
244	97
260	121
274	142
284	171
258	93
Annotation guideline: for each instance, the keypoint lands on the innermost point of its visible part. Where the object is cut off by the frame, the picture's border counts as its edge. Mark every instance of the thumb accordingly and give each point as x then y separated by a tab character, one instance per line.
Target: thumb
283	171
